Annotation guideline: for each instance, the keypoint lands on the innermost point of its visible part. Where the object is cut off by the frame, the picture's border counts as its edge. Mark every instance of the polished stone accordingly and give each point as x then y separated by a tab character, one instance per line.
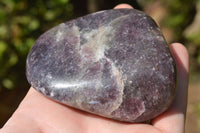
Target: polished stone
113	63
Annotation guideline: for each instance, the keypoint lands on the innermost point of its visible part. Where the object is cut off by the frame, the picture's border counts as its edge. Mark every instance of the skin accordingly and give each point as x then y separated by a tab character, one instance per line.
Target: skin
38	114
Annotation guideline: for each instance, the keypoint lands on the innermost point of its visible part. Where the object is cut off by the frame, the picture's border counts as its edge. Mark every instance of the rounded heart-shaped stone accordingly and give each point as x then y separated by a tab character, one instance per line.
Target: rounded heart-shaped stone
113	63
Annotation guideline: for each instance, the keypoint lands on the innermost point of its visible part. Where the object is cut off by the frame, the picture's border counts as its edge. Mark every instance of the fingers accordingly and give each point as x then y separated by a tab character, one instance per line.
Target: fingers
123	6
181	57
173	120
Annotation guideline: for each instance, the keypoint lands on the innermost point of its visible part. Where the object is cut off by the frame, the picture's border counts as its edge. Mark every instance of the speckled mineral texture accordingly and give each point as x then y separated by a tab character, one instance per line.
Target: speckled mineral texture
113	63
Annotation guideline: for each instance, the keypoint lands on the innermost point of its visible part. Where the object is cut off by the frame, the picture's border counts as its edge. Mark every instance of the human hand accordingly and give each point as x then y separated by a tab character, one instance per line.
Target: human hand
38	114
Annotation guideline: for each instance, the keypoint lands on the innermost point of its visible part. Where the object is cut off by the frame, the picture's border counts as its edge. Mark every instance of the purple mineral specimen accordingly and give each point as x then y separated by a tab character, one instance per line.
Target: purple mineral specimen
113	63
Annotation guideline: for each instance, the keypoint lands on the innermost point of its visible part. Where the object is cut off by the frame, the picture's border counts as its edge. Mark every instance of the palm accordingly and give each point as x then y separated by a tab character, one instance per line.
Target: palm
50	115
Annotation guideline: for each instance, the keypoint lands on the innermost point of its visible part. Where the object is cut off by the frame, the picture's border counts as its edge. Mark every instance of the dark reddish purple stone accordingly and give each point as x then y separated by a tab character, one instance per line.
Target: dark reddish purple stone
113	63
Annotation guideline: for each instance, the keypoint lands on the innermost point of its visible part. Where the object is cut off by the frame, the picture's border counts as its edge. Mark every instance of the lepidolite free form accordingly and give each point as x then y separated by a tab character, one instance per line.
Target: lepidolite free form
112	63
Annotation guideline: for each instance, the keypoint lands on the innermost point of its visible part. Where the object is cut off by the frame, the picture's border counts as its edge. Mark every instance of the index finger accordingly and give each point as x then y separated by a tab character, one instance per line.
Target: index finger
123	6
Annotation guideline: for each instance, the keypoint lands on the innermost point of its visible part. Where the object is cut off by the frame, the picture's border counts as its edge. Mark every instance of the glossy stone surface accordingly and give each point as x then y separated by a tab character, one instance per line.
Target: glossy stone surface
113	63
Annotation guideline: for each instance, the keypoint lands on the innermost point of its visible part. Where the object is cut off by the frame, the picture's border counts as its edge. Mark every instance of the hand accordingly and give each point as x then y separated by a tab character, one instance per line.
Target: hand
38	114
